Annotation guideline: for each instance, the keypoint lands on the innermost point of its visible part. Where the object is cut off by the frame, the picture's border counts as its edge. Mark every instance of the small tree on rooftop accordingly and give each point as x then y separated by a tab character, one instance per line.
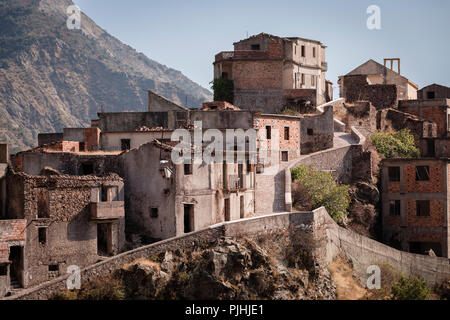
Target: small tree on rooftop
398	144
223	89
324	191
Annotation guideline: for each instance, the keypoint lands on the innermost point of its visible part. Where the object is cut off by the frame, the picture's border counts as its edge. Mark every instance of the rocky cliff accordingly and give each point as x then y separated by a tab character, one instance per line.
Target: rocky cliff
276	266
52	77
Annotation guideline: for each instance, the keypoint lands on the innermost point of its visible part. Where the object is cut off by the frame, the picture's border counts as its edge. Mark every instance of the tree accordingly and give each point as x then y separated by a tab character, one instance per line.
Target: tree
399	144
223	89
323	191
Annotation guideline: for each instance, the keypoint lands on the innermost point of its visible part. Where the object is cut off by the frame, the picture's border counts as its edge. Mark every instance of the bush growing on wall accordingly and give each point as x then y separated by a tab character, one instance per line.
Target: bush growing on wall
323	191
398	144
223	90
410	288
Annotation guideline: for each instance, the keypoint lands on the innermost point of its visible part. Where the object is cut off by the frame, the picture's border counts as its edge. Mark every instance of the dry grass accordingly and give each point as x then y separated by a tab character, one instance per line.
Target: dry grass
347	286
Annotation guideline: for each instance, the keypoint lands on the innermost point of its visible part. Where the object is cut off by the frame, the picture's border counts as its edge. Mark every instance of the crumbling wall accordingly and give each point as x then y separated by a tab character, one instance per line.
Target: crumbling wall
61	205
380	95
317	131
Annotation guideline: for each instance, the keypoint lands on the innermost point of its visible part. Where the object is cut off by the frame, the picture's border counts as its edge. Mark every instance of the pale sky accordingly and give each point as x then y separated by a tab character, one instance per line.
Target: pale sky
185	35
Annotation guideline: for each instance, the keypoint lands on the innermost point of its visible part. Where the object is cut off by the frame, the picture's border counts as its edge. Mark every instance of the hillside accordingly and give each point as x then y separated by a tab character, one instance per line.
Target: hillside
52	77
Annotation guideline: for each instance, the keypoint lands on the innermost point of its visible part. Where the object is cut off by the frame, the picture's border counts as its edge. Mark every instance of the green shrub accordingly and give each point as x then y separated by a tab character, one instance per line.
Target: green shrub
223	89
323	191
410	288
395	145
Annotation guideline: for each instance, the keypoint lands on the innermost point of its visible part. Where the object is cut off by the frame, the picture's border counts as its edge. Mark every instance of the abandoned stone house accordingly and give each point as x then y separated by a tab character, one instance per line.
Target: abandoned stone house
70	221
377	83
270	72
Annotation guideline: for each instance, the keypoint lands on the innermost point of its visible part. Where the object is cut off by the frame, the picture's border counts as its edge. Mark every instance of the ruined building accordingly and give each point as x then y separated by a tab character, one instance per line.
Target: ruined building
415	205
377	83
270	72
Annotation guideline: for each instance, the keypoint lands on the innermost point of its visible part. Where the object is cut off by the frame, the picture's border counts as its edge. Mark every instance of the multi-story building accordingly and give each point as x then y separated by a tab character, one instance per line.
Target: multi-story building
270	72
415	204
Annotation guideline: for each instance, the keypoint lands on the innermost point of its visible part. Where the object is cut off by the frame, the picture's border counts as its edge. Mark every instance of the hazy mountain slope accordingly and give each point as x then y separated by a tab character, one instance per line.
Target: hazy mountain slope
52	77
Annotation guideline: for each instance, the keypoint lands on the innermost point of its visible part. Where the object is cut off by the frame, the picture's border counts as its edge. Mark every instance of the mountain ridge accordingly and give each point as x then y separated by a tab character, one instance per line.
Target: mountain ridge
52	77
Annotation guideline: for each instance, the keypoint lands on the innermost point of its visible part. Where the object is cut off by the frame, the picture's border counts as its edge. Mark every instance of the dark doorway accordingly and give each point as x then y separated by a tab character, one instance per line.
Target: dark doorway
104	239
242	207
16	267
188	218
227	210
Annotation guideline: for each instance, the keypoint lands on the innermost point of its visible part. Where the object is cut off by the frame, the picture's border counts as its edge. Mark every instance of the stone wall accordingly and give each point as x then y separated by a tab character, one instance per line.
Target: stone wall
59	207
380	95
361	250
317	131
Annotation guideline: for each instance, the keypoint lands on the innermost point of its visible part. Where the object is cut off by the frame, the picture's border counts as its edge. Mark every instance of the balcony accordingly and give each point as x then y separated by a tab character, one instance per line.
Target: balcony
107	210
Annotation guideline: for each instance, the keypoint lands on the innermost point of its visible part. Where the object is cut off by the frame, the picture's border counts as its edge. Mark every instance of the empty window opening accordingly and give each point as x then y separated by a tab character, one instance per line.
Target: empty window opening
430	148
187	168
87	169
242	212
154	212
286	133
225	75
82	146
394	174
394	207
303	51
310	132
105	196
268	132
284	156
188	218
430	95
255	47
42	235
422	173
53	267
104	239
303	79
314	52
125	144
423	208
313	81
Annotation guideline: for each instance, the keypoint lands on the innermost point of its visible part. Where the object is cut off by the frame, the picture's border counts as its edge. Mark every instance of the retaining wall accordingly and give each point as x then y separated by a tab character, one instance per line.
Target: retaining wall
361	250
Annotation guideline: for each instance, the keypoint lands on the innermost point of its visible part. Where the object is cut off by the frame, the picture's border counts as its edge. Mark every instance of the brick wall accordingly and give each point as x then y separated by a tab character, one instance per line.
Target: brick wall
435	184
434	220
